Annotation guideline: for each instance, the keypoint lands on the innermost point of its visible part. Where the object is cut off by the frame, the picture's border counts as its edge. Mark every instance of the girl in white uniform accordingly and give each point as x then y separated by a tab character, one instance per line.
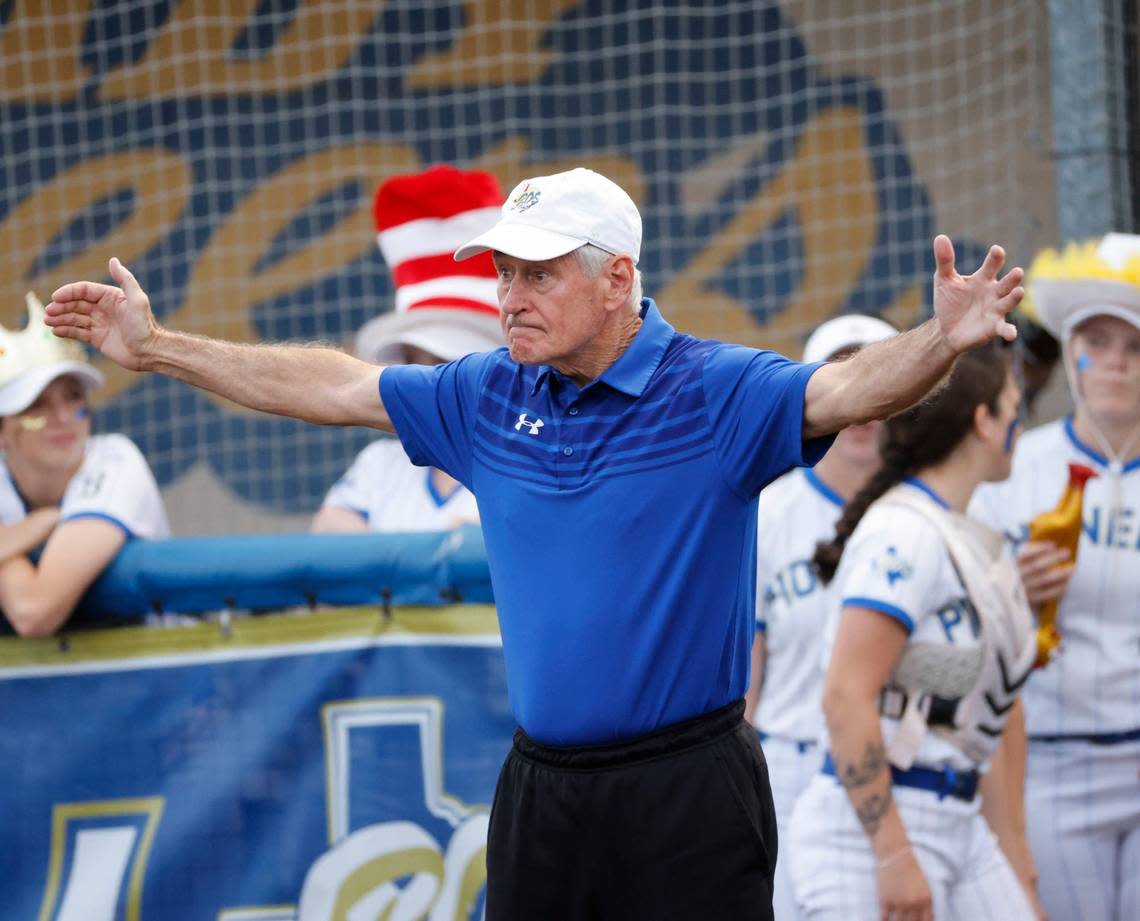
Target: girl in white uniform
928	640
84	495
443	311
796	512
1083	709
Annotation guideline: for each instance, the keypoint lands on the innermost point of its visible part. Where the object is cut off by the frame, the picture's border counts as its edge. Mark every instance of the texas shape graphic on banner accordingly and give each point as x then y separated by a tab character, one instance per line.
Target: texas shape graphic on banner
311	767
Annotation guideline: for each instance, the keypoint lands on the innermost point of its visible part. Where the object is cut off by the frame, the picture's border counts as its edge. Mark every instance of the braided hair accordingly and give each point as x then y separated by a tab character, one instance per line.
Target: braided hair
925	434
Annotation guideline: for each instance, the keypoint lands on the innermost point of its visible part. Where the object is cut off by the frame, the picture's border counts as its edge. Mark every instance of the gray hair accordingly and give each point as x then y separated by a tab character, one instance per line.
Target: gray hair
592	260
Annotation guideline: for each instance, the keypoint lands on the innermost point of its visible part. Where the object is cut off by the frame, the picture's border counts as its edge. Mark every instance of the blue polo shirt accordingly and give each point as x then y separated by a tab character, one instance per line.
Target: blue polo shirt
619	518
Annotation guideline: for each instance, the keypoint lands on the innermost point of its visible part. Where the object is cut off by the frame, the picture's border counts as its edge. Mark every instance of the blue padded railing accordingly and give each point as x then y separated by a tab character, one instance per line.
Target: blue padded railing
199	574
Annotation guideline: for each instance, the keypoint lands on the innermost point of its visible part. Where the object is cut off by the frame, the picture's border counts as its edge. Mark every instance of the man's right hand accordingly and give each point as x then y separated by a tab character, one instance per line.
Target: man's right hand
115	319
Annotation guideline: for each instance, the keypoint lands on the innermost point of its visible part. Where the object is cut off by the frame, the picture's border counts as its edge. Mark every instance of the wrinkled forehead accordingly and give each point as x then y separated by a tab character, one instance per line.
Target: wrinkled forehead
503	259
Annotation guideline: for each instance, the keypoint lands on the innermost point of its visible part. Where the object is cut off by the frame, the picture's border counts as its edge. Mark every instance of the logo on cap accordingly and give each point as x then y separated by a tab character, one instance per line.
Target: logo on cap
527	198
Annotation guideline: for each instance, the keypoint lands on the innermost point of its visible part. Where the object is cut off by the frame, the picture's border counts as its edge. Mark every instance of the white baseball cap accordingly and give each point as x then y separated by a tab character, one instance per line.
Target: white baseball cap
852	330
34	357
549	216
446	334
1097	278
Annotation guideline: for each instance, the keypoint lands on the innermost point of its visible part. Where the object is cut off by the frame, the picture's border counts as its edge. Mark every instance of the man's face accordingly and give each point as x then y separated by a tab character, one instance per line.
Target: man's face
551	310
52	433
1107	354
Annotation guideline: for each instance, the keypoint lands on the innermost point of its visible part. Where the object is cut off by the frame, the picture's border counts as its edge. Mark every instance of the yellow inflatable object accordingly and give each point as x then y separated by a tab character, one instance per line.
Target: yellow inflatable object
1062	526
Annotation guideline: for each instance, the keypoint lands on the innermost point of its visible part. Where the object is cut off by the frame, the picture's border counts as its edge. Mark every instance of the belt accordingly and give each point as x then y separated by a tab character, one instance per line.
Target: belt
668	740
802	745
945	782
1096	738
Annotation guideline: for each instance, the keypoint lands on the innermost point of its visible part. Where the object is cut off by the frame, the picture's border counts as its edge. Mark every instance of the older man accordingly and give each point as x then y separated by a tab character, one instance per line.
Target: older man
616	464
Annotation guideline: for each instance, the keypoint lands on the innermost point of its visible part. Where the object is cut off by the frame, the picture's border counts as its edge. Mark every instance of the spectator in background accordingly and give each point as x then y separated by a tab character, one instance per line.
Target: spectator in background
443	311
796	512
85	495
1083	708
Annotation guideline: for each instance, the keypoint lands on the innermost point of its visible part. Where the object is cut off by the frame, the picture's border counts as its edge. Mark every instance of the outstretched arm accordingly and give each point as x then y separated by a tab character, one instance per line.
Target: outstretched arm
887	377
320	385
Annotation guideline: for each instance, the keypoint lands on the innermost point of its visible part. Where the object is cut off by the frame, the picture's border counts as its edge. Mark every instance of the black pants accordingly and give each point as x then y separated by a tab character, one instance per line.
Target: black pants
673	826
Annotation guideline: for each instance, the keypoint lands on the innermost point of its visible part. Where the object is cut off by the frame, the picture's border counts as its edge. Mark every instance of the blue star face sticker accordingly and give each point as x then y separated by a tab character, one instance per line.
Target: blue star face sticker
893	567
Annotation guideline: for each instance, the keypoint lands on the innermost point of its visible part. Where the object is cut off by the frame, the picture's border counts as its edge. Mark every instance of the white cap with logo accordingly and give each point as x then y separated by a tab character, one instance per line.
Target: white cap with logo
549	216
850	331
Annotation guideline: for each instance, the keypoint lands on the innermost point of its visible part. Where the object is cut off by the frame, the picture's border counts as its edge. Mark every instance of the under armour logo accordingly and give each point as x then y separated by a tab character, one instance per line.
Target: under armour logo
534	426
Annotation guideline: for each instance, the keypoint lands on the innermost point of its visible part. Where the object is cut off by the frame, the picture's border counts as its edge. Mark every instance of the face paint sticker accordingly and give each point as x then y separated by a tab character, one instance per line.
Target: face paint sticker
33	423
1083	362
1011	432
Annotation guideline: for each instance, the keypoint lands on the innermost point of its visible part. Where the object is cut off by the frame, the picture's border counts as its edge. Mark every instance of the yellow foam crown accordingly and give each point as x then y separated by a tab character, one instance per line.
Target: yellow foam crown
1114	257
1085	261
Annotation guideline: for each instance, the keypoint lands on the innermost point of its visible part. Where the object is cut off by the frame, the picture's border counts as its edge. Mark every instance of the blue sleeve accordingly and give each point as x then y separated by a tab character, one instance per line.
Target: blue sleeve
756	408
433	410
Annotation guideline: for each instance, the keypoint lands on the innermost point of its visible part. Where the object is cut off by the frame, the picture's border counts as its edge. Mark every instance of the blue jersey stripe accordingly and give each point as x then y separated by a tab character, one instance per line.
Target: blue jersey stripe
630	440
622	411
618	436
595	464
501	451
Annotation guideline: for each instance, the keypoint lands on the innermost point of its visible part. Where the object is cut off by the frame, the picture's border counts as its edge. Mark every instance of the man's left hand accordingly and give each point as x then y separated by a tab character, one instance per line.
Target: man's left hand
971	309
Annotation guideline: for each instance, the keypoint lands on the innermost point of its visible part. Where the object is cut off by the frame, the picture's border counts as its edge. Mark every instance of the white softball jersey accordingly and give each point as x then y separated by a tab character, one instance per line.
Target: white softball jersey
1092	686
1082	786
896	563
392	494
114	482
797	511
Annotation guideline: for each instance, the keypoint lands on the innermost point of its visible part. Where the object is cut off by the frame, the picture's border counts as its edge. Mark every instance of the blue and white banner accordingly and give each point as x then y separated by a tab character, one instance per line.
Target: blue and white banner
313	767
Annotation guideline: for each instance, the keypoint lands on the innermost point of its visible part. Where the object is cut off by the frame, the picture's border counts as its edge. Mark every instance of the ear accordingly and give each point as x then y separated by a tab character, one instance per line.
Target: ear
619	282
983	421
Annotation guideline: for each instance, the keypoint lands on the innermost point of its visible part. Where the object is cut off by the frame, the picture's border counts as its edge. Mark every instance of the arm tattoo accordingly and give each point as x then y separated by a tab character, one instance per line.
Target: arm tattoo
858	775
872	810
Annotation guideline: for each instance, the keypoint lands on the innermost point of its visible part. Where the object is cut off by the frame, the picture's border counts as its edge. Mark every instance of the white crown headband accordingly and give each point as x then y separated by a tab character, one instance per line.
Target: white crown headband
34	346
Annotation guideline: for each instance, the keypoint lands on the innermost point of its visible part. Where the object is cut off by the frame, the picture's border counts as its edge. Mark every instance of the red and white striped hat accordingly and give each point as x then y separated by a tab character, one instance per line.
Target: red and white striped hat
447	308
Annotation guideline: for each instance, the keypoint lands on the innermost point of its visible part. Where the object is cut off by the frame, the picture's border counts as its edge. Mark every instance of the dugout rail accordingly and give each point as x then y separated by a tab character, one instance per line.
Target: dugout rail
256	572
